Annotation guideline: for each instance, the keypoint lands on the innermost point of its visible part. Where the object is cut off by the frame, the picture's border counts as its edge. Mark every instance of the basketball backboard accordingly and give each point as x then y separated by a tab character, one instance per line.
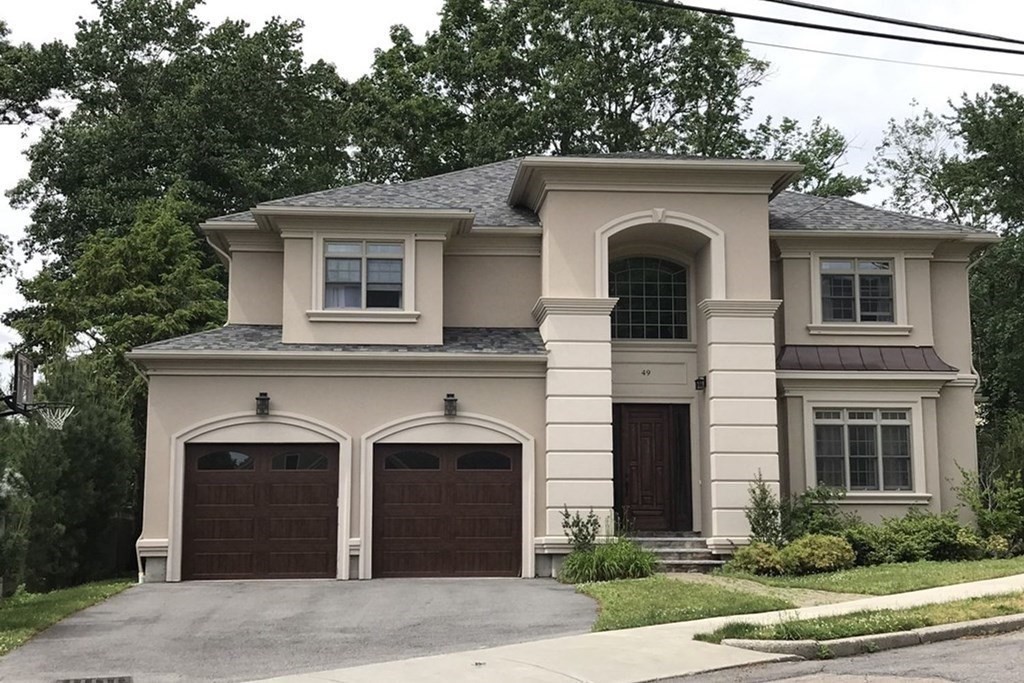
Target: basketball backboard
24	382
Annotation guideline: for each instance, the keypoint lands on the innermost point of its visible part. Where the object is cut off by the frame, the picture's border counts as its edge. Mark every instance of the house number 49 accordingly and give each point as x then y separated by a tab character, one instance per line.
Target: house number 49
645	372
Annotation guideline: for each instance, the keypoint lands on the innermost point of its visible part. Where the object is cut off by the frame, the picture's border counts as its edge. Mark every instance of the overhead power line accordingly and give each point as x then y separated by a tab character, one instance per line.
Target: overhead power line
894	21
822	27
882	59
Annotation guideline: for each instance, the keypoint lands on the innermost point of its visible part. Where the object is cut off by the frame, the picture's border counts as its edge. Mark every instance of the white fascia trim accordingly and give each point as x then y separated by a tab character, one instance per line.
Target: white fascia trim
328	211
885	498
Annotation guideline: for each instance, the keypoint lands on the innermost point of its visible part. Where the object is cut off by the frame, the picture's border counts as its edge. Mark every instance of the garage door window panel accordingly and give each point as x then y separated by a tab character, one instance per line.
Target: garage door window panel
412	460
299	460
484	460
225	460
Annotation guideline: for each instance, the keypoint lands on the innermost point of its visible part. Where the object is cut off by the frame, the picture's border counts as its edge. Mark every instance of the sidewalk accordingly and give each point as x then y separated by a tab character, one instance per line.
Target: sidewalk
629	656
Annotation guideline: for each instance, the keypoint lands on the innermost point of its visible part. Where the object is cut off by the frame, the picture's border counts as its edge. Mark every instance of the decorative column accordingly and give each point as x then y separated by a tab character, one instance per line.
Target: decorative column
742	411
577	336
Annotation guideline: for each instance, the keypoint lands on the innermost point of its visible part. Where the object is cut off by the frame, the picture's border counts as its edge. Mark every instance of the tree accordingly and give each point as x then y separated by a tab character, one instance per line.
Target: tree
820	148
967	167
126	288
501	78
27	77
230	116
80	479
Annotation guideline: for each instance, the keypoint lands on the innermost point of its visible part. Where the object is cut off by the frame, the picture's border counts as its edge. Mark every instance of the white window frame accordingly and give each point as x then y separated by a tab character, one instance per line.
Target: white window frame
900	325
909	401
878	420
406	314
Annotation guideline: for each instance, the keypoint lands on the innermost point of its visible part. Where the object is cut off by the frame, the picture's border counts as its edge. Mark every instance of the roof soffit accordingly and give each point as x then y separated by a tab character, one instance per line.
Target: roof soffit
539	175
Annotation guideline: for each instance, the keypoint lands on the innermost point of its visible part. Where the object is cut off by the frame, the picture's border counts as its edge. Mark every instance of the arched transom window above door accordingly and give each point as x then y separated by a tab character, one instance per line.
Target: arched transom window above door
652	298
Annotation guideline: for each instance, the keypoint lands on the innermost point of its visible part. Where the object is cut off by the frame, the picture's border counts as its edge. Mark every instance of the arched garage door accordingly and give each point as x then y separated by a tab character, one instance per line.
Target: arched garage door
260	511
447	510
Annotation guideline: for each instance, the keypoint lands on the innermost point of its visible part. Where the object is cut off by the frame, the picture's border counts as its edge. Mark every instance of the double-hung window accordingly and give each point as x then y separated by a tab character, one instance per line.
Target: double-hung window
856	290
863	449
363	274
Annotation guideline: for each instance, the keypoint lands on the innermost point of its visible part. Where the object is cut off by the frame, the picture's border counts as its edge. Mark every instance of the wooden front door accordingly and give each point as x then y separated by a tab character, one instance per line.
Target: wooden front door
652	467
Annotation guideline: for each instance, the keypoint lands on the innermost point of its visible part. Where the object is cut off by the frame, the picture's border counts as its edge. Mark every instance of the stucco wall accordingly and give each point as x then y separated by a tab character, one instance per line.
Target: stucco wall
256	288
490	291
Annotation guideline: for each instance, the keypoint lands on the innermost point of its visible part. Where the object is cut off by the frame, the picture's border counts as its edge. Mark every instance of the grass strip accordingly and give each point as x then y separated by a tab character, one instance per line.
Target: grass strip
26	614
873	622
888	579
659	600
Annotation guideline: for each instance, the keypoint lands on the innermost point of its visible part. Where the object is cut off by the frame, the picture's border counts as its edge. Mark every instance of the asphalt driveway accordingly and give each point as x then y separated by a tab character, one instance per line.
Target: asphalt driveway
237	630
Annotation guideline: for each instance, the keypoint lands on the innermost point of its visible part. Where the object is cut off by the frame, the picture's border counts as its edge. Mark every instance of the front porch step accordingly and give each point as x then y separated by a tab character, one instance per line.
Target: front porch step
680	553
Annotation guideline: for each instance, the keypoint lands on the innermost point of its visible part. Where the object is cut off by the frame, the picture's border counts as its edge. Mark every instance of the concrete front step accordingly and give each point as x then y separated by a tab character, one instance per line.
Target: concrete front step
669	542
680	553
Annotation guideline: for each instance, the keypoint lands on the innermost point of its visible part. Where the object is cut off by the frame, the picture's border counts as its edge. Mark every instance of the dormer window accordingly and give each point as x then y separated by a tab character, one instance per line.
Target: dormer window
856	290
363	274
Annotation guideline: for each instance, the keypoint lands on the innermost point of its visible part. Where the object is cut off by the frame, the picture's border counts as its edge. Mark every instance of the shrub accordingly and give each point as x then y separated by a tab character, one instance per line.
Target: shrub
756	558
870	547
997	504
996	546
815	511
928	536
620	558
581	531
763	514
816	553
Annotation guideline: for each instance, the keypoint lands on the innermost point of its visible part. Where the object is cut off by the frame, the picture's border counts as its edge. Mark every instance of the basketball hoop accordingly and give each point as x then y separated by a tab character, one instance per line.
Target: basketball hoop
54	415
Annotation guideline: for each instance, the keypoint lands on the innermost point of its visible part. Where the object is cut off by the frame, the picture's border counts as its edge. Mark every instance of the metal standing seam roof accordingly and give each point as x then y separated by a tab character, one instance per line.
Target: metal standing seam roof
484	190
862	359
267	338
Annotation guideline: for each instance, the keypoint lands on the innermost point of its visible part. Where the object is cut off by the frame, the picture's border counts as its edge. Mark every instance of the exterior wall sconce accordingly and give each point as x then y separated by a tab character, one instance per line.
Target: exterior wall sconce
450	405
263	404
700	383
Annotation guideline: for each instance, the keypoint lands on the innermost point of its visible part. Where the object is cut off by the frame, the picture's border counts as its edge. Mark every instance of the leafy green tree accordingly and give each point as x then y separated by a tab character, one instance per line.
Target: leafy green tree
81	479
967	166
821	148
126	289
501	78
230	115
27	77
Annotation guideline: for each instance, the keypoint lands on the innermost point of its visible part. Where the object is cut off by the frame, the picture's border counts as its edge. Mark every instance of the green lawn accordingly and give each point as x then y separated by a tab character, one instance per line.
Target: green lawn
873	622
658	600
24	615
887	579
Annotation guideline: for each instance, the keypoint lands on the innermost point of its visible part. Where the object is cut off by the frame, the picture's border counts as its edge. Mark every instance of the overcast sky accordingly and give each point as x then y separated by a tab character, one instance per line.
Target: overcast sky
855	95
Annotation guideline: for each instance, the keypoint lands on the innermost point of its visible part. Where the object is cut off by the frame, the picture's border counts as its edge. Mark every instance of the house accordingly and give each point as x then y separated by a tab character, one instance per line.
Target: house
416	379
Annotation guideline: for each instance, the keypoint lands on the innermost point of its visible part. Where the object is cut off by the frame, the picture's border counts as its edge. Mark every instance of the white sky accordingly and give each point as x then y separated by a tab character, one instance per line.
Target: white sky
857	96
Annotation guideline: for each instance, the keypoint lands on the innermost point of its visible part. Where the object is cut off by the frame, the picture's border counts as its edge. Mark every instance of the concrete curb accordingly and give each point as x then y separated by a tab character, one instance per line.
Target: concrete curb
846	647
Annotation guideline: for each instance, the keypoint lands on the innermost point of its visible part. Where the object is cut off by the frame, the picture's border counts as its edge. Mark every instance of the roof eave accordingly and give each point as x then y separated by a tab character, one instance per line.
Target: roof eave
964	235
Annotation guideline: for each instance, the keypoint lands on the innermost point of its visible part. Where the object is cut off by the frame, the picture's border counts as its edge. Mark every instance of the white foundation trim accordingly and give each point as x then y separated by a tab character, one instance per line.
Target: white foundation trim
464	428
715	234
207	432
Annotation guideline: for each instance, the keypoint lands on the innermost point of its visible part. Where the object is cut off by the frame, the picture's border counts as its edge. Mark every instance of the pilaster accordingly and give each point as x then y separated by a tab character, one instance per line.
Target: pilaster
578	474
742	411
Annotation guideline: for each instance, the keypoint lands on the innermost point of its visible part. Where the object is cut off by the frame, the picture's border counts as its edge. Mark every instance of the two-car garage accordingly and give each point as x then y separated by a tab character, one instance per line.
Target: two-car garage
261	511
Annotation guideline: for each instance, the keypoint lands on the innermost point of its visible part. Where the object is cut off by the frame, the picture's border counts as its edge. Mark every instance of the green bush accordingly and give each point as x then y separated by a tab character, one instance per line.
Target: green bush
929	536
870	547
815	511
997	504
763	514
996	546
816	553
619	558
757	558
581	531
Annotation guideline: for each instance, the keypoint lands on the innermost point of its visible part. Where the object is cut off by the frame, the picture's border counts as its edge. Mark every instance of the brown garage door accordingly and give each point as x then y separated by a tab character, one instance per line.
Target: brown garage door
260	511
447	510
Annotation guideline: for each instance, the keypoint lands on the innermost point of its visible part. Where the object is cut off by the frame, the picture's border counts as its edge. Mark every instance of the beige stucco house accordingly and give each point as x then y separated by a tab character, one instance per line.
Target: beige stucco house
446	364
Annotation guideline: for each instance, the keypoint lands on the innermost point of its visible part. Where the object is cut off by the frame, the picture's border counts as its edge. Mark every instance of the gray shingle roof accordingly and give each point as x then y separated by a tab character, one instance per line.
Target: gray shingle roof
484	189
479	340
798	211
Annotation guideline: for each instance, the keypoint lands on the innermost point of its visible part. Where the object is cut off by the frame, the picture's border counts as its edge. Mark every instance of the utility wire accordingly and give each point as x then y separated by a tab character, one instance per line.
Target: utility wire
893	20
882	59
821	27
